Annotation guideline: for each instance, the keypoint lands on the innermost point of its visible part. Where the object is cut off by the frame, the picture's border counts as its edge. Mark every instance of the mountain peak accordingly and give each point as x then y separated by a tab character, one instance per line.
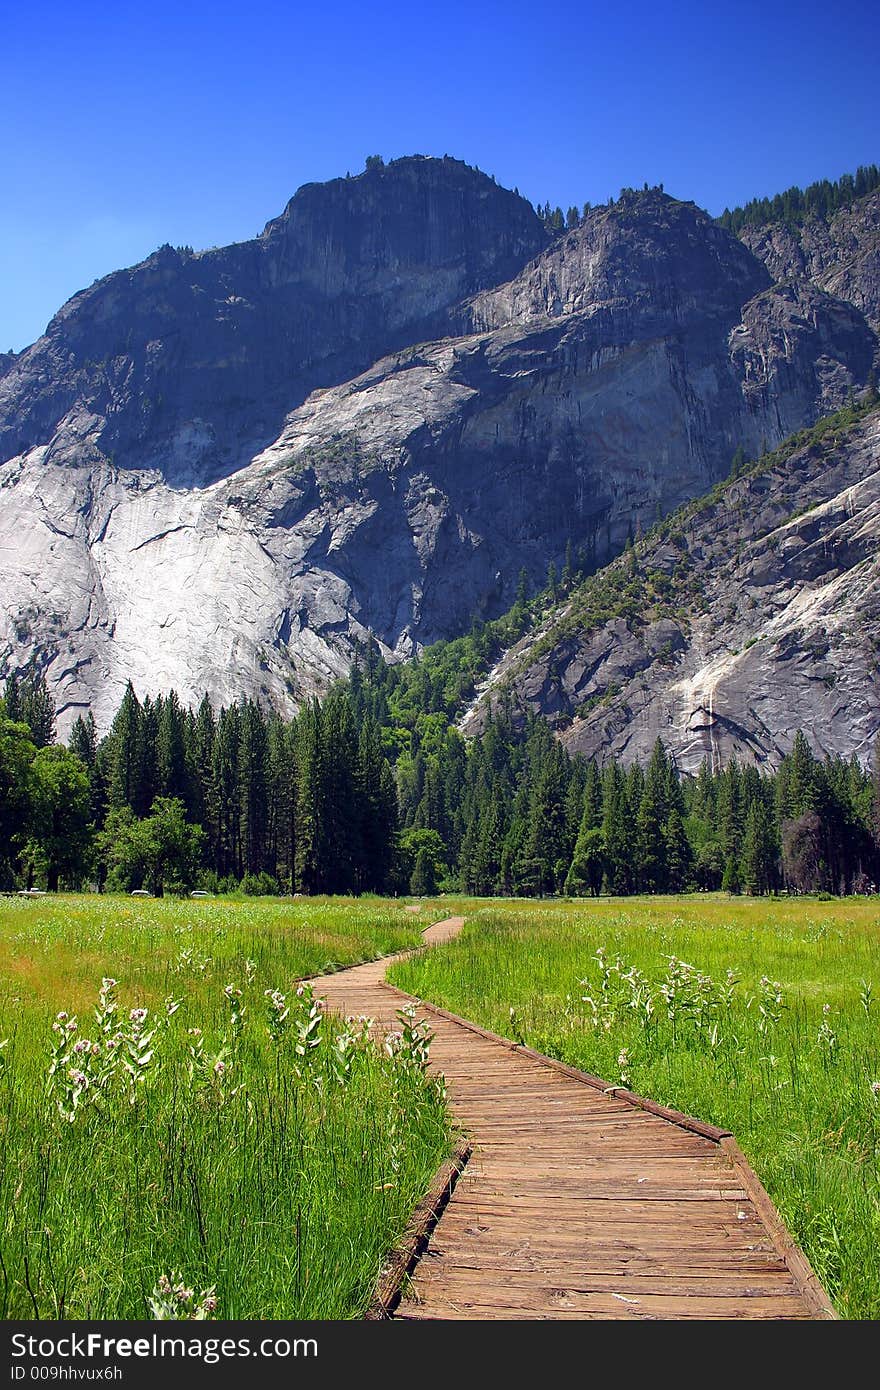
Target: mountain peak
220	470
648	254
414	211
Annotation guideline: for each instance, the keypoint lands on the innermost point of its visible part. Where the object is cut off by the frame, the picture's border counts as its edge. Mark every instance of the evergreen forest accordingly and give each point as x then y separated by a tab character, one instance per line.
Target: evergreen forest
374	790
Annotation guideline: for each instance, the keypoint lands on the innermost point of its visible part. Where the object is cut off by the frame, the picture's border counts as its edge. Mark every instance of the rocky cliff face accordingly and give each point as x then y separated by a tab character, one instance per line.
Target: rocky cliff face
840	254
187	363
646	264
222	469
746	617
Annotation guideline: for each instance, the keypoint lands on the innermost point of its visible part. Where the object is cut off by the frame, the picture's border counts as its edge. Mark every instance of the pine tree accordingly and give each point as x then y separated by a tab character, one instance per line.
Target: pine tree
486	861
635	789
616	830
544	848
759	852
251	777
730	824
12	700
514	842
173	774
127	753
83	740
225	789
651	824
378	813
679	855
310	791
341	830
552	581
569	567
731	882
279	795
796	781
204	790
38	709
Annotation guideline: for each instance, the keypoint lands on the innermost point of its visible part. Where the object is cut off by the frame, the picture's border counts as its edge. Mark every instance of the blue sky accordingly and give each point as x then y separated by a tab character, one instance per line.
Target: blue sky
128	125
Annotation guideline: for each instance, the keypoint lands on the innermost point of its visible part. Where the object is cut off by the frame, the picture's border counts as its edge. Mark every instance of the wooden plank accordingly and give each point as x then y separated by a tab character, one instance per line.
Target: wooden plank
600	1262
579	1200
534	1185
664	1112
626	1239
676	1283
507	1299
412	1313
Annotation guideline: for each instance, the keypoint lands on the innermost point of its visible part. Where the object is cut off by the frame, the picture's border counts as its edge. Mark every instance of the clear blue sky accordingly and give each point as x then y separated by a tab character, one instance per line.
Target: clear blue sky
125	126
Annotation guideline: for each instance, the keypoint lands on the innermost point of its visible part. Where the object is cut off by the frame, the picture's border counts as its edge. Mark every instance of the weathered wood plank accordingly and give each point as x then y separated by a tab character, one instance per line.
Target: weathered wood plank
581	1200
536	1284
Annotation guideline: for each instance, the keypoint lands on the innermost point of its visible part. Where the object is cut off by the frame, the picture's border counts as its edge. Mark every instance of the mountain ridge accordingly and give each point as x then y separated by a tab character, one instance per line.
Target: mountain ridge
735	621
236	508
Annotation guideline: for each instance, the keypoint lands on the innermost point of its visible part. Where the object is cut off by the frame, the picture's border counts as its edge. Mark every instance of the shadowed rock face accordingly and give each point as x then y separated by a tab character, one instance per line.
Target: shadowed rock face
187	364
759	613
223	469
647	265
840	254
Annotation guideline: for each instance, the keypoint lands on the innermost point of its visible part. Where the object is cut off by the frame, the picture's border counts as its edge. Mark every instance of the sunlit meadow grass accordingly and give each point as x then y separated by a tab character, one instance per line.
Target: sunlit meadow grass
784	1051
203	1121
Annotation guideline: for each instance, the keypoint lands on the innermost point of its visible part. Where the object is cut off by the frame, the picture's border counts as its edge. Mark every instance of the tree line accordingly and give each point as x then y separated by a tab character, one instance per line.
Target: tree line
176	798
511	813
374	789
820	199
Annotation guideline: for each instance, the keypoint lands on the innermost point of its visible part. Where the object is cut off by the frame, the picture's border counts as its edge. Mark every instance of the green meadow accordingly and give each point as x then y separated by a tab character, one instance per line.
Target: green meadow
757	1015
184	1132
205	1142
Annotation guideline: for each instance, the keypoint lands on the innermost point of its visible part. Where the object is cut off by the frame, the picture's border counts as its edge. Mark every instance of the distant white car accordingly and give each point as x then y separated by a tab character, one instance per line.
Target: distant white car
200	893
140	893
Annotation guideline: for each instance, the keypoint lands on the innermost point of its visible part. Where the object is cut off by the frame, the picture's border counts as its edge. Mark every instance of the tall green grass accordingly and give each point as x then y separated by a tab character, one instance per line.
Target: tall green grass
784	1051
204	1123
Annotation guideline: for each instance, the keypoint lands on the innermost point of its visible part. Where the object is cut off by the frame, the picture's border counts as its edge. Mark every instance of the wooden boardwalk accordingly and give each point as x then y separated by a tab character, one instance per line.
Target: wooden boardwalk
577	1203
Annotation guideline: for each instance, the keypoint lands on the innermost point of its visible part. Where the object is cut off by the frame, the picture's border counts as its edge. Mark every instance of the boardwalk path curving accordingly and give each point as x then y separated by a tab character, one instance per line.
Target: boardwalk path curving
577	1203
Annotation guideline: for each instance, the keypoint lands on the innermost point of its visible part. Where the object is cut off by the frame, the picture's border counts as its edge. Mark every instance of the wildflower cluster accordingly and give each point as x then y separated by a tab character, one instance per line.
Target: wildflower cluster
308	1020
770	1004
120	1057
123	1054
348	1044
411	1042
686	997
278	1014
207	1070
192	961
172	1300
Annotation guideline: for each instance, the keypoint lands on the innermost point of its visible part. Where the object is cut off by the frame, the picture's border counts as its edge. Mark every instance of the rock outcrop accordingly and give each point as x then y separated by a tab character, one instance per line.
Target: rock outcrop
219	470
747	616
839	254
187	363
